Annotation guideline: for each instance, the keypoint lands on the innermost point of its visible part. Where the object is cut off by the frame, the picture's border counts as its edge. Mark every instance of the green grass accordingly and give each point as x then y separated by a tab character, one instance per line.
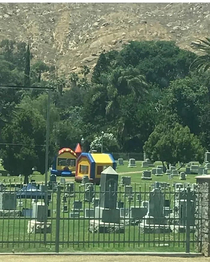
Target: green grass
135	177
74	234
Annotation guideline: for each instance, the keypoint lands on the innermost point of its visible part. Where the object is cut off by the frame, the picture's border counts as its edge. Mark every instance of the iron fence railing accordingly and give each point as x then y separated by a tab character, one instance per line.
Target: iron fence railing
86	217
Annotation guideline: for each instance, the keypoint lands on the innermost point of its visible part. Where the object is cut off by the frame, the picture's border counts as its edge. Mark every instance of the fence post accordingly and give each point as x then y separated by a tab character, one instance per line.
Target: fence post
57	232
204	211
188	221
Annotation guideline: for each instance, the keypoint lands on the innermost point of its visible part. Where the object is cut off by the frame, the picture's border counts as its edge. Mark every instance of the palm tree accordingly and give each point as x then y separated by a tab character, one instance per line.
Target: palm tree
202	62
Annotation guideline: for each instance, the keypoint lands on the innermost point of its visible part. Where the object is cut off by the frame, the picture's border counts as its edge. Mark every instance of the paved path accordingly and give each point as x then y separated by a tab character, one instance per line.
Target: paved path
96	258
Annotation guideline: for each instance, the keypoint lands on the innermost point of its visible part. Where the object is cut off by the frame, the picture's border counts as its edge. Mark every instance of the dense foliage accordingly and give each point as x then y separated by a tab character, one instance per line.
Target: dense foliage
148	96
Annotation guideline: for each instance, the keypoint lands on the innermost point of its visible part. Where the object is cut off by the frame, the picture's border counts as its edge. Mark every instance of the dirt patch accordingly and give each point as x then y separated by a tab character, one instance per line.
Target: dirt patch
95	258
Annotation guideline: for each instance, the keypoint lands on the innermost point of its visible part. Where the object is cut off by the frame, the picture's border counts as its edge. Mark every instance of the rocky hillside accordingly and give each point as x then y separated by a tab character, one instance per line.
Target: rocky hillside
70	35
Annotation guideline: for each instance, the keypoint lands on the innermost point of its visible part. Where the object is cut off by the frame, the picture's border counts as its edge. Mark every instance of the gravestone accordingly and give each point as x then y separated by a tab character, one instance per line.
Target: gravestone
8	201
109	186
156	204
194	169
107	211
95	202
85	179
62	180
187	170
70	189
124	213
120	204
132	162
175	172
145	204
128	191
153	171
147	163
77	205
53	178
120	162
126	180
89	192
159	171
146	175
200	170
39	211
207	166
137	213
182	176
207	157
89	213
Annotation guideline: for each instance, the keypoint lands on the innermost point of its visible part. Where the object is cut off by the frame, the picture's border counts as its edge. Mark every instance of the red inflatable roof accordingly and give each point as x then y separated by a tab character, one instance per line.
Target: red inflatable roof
66	149
78	148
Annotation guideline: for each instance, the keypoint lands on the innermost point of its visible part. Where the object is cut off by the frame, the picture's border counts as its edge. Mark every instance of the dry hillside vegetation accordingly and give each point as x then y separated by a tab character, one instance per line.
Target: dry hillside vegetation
70	35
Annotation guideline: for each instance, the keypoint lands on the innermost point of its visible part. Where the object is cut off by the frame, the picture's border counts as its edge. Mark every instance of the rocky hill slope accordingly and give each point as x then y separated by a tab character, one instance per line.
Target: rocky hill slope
70	35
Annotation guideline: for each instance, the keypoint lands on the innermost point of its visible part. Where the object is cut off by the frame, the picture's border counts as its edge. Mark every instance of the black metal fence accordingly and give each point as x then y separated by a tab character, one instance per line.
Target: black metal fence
86	217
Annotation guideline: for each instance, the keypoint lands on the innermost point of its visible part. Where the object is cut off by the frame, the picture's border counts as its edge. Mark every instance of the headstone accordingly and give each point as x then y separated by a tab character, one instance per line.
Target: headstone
207	166
153	171
70	188
182	176
52	178
132	162
89	192
89	213
138	213
120	204
159	171
175	172
207	157
62	180
107	212
146	175
107	215
194	169
156	204
200	170
8	201
168	172
77	205
187	170
85	179
120	162
74	214
108	191
126	180
145	204
183	212
39	211
124	213
128	191
205	171
95	202
65	209
147	163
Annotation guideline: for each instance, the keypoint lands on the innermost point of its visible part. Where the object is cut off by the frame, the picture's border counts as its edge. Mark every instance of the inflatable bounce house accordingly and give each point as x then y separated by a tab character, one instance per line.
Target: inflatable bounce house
92	164
65	162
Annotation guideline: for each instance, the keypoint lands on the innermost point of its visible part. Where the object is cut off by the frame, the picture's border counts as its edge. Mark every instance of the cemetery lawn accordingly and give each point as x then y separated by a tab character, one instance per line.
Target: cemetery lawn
134	172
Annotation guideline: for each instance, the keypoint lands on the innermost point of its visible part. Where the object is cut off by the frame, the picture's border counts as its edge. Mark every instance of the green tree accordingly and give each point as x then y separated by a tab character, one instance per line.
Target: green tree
202	61
173	144
37	70
25	136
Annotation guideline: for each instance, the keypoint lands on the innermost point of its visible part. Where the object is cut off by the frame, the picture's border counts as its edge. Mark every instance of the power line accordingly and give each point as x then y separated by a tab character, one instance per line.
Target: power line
27	88
12	144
